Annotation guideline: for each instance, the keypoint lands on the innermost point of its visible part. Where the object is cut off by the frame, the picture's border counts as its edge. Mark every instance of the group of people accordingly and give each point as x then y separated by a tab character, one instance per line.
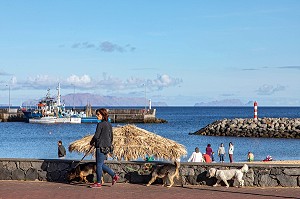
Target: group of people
208	156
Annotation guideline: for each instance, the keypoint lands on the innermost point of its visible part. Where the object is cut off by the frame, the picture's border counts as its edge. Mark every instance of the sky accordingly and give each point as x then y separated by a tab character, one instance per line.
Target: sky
177	52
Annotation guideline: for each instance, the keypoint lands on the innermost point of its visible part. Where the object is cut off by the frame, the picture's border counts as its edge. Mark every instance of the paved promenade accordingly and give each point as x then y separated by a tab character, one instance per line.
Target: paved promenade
41	190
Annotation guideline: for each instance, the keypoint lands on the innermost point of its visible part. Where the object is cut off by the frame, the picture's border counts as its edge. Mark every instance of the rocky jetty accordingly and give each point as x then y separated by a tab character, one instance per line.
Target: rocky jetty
262	127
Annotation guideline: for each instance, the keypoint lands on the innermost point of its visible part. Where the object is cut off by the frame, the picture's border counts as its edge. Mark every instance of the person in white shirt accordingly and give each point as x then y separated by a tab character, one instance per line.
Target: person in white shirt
196	156
221	152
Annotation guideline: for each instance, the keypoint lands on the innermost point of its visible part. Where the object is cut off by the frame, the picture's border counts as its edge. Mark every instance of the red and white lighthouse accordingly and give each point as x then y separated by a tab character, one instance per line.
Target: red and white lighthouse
255	110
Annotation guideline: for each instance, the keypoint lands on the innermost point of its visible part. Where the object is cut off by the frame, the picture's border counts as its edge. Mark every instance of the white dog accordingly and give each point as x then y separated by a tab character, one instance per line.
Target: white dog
224	175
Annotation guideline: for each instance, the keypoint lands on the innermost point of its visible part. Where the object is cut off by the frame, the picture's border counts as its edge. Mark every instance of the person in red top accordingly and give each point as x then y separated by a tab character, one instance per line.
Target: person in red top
207	158
209	150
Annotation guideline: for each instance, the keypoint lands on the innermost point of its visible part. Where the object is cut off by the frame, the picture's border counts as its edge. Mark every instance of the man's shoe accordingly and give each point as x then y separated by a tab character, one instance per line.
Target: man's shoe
115	179
96	185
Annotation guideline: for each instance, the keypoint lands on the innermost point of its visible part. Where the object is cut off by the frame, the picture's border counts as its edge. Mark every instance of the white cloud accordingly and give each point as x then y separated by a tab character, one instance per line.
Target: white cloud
38	82
163	81
269	89
106	83
76	80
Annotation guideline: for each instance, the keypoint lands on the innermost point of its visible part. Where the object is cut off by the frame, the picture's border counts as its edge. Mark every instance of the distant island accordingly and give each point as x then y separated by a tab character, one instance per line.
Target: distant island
225	102
82	99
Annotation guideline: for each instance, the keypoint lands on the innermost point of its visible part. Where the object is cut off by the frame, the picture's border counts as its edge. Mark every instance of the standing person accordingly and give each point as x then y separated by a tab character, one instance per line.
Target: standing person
61	150
221	152
102	140
209	150
230	152
196	156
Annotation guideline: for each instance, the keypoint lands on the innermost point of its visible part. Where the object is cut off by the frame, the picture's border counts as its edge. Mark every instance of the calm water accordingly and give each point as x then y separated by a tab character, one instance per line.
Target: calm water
24	140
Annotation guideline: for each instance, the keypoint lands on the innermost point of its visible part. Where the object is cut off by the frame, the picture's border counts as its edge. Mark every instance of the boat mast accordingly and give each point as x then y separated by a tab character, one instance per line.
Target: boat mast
58	94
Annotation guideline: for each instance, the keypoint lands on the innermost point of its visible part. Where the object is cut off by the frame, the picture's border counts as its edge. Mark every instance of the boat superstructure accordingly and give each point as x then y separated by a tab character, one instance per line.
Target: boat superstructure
50	110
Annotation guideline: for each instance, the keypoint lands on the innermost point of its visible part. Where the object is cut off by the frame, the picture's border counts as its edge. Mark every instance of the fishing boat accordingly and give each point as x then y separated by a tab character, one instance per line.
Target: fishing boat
50	110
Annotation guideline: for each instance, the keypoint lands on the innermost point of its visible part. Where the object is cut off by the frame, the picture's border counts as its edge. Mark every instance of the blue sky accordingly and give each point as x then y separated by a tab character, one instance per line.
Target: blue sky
185	52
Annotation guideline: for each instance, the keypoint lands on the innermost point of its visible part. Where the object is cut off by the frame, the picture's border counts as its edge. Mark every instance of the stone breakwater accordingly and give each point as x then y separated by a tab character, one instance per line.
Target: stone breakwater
262	127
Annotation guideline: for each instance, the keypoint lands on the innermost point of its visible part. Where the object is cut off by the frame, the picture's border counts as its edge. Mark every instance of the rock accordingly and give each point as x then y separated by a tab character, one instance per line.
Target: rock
5	174
11	166
287	181
52	167
18	174
63	166
31	174
275	171
266	181
25	166
187	171
42	175
37	165
249	178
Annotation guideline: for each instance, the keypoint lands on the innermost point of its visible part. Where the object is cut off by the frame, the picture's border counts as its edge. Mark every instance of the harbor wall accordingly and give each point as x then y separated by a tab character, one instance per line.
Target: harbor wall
116	115
130	115
262	127
11	115
55	170
134	116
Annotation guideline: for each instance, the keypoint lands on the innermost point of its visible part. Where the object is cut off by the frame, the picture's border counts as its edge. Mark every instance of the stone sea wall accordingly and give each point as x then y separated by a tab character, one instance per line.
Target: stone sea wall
267	175
262	127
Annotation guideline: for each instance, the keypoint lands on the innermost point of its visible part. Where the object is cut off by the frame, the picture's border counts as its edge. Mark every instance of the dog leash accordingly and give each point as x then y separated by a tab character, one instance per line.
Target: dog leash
84	156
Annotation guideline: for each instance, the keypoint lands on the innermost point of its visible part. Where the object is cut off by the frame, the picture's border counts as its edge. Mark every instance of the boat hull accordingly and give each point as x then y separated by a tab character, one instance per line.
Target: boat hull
89	120
43	120
55	120
72	120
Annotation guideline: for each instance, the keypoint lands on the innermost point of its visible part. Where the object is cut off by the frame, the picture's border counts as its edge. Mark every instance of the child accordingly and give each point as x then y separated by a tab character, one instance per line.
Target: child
250	157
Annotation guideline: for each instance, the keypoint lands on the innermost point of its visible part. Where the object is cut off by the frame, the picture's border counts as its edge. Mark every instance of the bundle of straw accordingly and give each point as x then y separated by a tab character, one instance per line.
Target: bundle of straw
132	143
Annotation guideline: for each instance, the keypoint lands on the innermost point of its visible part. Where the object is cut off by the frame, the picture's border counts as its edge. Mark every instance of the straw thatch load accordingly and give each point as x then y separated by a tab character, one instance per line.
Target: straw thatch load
132	143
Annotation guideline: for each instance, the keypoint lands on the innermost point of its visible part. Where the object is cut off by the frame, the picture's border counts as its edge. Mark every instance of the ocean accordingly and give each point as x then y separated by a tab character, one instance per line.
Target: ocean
39	141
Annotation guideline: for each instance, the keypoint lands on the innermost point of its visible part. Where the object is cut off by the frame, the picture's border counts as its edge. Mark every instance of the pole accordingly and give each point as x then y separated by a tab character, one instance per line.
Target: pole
8	97
145	97
58	94
255	111
74	98
150	104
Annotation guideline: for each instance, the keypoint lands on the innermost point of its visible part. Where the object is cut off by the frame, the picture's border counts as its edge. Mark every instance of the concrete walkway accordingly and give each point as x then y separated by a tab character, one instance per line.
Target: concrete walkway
41	190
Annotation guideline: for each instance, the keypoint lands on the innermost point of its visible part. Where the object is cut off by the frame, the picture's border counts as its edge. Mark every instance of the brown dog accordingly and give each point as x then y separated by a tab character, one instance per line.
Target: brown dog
166	172
82	171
